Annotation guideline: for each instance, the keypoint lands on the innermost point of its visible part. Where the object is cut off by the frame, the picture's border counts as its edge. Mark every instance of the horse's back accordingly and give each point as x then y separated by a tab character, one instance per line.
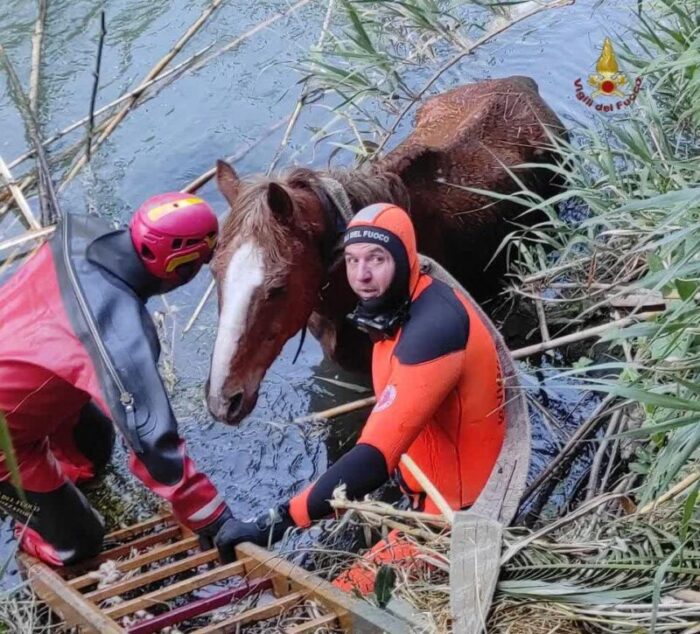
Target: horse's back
498	106
472	137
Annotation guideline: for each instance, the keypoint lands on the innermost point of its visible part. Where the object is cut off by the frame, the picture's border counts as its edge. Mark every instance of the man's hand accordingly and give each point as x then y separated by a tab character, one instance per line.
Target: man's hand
266	529
208	536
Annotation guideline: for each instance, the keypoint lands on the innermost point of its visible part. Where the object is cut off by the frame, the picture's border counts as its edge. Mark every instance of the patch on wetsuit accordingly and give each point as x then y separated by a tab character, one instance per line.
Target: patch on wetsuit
387	397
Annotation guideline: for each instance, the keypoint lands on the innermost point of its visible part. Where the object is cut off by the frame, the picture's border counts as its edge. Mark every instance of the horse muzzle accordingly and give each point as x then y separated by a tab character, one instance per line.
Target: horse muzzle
231	409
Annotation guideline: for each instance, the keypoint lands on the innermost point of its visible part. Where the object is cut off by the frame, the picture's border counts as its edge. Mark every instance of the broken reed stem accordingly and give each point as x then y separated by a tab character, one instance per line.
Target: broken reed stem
301	102
337	411
21	186
597	463
555	270
48	199
538	8
429	488
588	333
200	306
18	196
30	179
671	493
44	232
288	132
379	509
154	72
37	40
95	84
544	329
384	520
202	180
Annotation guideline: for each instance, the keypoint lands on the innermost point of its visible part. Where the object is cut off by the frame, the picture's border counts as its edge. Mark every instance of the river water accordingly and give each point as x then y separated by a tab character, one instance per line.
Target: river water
175	136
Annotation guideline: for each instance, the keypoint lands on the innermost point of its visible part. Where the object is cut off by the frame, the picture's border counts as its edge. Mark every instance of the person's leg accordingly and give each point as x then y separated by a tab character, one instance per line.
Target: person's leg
54	521
84	445
396	551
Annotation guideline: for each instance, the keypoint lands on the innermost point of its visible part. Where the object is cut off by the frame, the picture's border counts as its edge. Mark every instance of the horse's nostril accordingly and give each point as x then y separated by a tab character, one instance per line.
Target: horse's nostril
235	405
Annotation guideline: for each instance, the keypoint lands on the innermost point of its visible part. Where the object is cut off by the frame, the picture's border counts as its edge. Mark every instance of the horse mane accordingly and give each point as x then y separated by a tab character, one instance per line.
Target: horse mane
364	186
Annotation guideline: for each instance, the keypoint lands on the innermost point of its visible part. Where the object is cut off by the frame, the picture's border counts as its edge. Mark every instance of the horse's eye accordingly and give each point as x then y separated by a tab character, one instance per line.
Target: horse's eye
276	292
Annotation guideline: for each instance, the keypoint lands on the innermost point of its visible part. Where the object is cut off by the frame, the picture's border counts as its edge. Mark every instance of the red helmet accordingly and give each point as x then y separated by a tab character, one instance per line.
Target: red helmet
172	230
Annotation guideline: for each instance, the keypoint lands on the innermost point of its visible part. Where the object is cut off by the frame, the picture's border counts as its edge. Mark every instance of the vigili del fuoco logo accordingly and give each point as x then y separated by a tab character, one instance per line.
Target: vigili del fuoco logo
607	82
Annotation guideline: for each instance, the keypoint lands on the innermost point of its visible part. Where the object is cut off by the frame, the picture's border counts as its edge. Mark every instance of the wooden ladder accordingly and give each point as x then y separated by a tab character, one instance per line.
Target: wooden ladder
278	585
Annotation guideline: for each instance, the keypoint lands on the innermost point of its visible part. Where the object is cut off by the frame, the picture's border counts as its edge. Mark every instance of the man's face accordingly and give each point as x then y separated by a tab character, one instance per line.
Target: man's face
370	269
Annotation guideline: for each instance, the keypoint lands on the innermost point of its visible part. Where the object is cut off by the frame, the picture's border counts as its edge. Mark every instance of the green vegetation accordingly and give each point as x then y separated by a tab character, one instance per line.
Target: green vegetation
637	251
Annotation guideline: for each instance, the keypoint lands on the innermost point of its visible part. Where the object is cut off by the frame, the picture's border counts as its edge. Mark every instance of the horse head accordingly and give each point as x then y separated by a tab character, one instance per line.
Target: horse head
268	268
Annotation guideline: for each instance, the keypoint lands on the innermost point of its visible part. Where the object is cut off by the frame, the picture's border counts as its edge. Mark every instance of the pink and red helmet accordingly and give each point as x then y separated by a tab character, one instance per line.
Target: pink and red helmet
174	235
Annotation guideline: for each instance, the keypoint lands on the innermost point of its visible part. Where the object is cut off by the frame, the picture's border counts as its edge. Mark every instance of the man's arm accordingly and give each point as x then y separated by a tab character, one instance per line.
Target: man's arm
410	399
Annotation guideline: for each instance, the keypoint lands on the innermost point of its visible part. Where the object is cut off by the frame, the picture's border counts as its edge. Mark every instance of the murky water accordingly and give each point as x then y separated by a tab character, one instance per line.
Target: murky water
208	114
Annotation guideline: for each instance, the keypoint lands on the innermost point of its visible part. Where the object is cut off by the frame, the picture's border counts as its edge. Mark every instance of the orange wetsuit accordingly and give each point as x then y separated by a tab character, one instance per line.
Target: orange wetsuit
439	396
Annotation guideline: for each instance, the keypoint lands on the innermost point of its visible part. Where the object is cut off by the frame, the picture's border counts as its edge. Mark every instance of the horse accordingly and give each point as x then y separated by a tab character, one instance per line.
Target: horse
275	266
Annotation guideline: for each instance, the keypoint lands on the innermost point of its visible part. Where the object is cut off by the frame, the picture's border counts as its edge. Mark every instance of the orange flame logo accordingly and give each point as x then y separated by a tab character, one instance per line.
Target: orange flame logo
608	81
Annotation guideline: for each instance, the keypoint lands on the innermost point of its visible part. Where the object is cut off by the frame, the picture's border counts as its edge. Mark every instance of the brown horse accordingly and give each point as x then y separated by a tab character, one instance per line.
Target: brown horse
275	268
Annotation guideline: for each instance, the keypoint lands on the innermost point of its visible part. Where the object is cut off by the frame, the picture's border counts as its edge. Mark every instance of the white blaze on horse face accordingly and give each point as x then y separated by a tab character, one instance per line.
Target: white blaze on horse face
244	274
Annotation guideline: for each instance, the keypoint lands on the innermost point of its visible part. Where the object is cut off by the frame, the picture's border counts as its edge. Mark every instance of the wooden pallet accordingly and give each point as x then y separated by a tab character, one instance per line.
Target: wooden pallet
278	585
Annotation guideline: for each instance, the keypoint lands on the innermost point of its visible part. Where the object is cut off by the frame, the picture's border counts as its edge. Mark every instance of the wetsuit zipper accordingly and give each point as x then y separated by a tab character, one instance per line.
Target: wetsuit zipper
126	398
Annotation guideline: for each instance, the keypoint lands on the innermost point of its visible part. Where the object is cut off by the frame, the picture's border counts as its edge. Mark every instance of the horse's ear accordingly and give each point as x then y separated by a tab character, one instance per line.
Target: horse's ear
280	202
228	181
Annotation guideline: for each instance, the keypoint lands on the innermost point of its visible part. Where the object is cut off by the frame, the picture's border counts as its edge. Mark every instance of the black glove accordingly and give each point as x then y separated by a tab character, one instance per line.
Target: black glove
207	535
266	529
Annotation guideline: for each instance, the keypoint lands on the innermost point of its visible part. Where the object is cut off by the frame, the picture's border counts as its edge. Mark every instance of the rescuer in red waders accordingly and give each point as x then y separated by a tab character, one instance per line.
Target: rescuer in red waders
437	380
79	357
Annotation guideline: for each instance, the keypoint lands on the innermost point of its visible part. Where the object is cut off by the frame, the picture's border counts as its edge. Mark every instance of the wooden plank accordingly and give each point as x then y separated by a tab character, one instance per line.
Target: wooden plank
253	615
312	626
475	554
64	600
182	587
142	527
354	615
138	544
130	564
198	608
153	575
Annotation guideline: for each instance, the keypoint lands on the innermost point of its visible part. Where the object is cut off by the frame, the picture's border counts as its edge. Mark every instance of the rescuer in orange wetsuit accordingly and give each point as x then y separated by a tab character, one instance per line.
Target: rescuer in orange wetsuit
436	375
